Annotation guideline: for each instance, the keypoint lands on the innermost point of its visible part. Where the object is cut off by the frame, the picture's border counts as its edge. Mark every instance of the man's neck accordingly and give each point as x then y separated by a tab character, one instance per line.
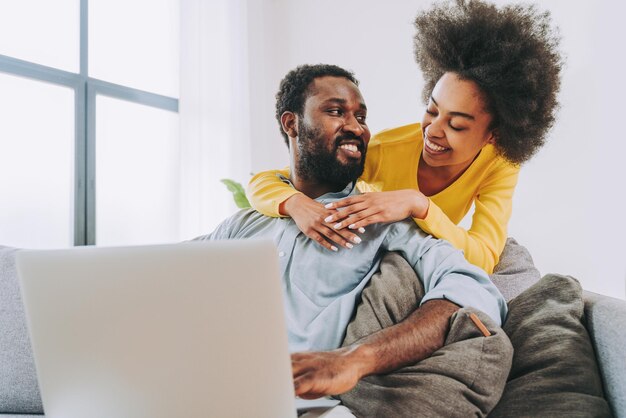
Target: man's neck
314	188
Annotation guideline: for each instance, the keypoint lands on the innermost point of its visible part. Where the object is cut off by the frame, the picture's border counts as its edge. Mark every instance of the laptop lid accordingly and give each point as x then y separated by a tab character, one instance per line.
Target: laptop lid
193	329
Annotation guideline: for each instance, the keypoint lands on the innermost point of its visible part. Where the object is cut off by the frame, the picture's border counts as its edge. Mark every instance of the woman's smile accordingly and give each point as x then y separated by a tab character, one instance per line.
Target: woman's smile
433	148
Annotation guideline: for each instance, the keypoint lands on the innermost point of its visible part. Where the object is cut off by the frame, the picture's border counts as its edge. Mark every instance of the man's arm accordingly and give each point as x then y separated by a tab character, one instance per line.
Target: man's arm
444	271
449	282
416	338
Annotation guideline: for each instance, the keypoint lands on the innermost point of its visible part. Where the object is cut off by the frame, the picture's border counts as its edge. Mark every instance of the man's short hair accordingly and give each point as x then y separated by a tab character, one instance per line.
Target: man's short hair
294	88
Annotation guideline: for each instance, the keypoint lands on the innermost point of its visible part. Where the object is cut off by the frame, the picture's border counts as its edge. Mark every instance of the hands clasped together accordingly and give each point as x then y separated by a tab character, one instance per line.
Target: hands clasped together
335	222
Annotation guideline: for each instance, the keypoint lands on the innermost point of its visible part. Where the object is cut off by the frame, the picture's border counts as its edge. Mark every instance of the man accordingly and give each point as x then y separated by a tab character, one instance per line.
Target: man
323	116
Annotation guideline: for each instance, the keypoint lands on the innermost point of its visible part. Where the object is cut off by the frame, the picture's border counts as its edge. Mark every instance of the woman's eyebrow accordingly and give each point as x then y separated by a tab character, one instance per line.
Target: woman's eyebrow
454	113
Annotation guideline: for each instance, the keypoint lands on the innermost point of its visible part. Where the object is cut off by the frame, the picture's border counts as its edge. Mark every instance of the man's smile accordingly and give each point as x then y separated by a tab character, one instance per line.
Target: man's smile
350	148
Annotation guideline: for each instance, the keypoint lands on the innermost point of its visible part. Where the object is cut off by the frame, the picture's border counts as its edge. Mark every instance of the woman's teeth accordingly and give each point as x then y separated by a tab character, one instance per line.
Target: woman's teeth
434	146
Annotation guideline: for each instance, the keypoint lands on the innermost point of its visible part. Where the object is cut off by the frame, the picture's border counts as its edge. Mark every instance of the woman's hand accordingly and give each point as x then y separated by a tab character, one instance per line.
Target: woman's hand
309	215
369	208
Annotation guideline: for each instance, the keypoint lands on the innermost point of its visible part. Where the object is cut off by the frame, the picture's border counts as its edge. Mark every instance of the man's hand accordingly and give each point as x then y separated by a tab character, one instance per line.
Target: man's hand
309	215
317	374
378	207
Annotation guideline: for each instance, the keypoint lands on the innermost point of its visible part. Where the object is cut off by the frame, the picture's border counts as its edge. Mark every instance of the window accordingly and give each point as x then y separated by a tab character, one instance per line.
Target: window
89	144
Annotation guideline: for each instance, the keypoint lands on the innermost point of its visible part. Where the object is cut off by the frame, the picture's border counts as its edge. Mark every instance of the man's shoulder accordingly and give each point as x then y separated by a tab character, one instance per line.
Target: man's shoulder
237	225
407	226
405	232
246	215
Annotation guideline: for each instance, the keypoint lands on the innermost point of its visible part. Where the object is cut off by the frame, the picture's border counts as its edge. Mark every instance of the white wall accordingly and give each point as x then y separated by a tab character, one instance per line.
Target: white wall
371	38
569	204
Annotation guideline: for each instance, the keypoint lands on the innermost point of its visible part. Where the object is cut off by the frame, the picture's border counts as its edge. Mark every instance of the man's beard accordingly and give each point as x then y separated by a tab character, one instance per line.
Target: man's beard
317	162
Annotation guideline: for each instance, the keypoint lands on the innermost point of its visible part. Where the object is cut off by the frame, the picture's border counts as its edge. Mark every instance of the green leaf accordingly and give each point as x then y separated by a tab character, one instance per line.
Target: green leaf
239	193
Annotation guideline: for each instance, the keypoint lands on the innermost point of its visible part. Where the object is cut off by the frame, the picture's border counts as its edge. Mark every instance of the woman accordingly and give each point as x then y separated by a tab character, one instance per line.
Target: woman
492	77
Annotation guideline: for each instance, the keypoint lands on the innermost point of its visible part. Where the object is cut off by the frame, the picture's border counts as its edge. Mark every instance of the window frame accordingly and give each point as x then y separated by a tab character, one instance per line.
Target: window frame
86	89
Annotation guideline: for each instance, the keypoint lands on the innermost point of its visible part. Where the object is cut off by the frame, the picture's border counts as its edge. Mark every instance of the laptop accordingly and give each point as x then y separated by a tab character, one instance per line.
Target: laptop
184	330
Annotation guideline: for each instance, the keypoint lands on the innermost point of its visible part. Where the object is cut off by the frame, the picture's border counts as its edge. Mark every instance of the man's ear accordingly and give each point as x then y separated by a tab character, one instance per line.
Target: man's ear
289	122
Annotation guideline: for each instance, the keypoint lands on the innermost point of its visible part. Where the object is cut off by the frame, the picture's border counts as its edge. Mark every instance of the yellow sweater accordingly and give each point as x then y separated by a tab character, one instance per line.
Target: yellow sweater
392	160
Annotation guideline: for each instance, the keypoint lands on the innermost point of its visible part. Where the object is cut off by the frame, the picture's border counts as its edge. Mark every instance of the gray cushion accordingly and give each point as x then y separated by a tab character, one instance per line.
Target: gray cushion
516	271
19	392
464	378
606	322
554	371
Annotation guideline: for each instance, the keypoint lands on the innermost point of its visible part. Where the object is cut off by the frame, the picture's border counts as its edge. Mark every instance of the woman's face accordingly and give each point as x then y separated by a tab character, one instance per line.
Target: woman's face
455	125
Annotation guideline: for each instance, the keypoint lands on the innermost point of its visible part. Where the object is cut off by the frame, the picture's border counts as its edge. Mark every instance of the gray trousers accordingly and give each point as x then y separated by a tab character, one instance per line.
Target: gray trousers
464	378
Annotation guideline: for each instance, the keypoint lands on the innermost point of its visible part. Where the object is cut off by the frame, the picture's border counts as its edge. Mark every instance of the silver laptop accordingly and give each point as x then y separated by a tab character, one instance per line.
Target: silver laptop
184	330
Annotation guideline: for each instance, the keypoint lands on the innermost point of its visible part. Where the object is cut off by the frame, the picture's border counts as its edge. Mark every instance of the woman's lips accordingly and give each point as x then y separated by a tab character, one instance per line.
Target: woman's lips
433	148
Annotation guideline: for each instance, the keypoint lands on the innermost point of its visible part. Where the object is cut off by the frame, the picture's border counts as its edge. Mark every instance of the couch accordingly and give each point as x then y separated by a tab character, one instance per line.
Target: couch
604	318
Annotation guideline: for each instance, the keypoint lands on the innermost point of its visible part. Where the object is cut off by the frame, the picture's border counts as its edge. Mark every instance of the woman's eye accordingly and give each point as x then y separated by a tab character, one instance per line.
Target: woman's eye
431	112
454	128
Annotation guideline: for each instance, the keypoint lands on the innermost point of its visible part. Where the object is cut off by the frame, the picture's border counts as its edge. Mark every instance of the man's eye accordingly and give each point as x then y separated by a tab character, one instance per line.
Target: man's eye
361	118
334	111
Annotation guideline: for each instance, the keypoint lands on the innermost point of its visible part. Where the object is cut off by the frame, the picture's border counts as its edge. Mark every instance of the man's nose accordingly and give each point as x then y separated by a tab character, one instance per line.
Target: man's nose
353	125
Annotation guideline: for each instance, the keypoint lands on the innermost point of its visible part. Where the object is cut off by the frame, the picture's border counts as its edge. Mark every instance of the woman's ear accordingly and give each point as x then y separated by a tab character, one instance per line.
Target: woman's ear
493	137
289	122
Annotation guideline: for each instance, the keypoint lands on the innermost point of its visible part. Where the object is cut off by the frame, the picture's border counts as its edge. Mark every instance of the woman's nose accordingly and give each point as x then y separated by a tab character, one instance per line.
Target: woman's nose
434	130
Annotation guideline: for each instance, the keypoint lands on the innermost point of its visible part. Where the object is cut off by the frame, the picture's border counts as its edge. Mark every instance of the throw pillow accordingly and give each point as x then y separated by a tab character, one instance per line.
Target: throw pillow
464	378
516	271
554	371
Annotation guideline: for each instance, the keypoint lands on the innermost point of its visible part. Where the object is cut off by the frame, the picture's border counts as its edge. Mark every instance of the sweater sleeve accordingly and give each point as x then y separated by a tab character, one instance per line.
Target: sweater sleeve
266	191
484	241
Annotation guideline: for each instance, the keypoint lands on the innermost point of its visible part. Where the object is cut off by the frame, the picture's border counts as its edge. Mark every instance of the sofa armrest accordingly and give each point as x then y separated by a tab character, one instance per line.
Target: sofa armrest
606	320
19	392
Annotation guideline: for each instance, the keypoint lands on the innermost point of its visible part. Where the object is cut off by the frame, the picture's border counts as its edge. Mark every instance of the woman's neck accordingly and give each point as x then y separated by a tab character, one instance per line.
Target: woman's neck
433	180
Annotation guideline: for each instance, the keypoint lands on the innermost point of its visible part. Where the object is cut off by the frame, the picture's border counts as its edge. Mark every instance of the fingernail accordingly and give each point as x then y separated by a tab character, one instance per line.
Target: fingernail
328	205
351	226
334	248
337	226
349	245
361	230
357	240
328	219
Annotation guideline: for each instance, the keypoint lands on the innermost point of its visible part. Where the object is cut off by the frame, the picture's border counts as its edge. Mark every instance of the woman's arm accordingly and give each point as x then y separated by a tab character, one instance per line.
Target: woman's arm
266	192
272	197
484	241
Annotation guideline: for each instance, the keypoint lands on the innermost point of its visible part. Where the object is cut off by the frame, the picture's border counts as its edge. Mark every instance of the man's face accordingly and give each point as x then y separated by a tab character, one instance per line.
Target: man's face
332	132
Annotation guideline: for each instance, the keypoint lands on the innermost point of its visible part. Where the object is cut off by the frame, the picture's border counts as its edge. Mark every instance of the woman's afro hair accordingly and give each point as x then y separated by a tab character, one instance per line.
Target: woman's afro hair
511	53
